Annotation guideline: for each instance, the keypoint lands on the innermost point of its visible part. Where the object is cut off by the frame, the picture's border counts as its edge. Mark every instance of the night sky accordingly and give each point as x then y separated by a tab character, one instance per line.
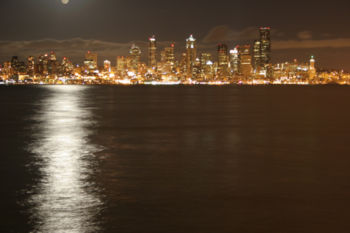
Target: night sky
300	28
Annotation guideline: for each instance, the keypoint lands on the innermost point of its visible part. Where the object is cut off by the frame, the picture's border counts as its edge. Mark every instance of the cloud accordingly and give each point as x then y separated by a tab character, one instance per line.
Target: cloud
304	39
74	48
305	35
224	33
77	47
312	44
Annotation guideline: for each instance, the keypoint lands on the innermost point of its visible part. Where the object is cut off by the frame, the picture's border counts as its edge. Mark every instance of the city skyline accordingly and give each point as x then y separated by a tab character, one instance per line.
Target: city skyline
174	116
147	50
249	63
110	28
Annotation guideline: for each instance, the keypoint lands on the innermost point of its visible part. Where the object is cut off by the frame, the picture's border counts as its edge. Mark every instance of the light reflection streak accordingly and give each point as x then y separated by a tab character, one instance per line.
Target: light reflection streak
65	199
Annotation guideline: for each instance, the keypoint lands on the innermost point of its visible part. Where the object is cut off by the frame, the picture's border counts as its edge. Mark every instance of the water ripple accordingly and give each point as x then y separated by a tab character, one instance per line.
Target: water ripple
65	198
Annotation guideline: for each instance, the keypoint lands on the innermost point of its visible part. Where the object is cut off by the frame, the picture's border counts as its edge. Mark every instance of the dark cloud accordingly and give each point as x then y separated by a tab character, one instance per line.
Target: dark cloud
74	48
224	33
305	35
312	44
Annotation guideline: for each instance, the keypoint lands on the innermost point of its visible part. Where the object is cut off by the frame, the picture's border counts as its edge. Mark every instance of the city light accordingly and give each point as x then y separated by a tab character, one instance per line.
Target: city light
242	64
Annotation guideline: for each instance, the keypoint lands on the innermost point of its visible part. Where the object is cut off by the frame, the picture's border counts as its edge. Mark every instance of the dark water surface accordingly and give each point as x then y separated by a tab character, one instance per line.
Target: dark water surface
175	159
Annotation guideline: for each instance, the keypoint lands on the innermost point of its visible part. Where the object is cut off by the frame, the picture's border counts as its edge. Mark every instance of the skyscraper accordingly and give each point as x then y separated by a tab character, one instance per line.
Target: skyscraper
121	64
107	66
207	68
205	57
52	64
168	59
135	55
257	54
312	68
235	61
170	54
90	61
66	67
152	52
265	40
246	60
191	54
15	63
222	58
31	65
53	56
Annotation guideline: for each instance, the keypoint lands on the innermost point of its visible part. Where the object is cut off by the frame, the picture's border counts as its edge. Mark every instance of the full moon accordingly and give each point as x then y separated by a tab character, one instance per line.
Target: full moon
65	2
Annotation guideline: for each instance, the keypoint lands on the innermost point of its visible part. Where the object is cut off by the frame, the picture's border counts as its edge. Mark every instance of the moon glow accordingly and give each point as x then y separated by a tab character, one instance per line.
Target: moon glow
65	2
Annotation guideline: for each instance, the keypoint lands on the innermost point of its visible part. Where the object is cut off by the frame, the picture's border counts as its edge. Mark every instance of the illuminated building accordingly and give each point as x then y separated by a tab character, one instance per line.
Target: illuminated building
257	55
31	65
191	54
42	65
53	56
66	66
183	63
235	61
222	59
89	65
52	63
246	61
152	53
265	41
15	63
7	68
135	56
207	66
107	66
312	68
91	56
170	55
249	64
196	69
205	57
90	61
168	59
129	63
121	64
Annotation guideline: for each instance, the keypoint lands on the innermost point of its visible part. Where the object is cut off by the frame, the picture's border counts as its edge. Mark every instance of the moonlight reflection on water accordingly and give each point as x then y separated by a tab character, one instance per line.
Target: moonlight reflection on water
64	199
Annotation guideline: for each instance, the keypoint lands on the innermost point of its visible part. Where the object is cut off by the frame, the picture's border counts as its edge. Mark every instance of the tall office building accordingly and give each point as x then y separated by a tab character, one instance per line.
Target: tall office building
265	40
135	55
152	52
31	65
41	64
53	56
170	54
207	68
257	55
52	63
246	60
90	61
191	54
121	64
183	63
205	57
15	63
168	59
66	67
235	61
107	66
312	68
222	58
